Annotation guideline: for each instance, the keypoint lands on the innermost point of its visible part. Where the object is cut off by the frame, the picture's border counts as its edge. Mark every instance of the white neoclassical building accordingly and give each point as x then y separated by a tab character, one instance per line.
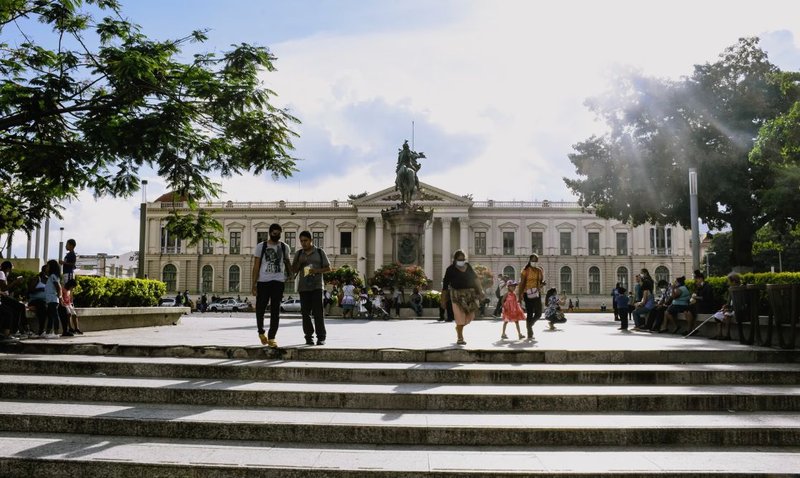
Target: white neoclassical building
582	254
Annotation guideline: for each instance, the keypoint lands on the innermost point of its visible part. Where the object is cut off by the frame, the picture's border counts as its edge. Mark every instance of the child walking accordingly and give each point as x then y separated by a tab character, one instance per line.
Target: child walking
551	313
52	290
512	312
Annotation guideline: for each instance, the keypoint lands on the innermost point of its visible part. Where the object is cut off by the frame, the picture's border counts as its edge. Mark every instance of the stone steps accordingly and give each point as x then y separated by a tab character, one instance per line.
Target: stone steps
697	353
400	372
126	414
69	455
437	428
407	396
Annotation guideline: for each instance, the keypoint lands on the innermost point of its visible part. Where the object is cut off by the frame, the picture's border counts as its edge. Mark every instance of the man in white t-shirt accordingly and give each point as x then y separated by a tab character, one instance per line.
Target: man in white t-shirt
271	268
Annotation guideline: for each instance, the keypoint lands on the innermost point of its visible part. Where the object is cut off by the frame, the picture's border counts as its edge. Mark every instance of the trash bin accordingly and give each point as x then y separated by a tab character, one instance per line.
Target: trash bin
784	300
746	300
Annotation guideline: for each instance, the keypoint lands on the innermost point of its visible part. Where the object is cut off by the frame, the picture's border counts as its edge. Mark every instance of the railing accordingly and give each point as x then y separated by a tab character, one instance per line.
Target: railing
521	204
262	204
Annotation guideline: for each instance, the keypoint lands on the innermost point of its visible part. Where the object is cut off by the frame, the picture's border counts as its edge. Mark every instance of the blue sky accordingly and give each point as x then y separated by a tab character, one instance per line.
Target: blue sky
495	88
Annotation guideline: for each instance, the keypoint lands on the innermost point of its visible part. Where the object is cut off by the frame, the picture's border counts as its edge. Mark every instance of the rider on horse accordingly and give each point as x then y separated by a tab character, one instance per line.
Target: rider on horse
407	160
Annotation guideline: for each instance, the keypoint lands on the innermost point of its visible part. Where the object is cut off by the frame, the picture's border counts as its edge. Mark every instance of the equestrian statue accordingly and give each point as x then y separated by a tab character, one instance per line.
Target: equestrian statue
407	167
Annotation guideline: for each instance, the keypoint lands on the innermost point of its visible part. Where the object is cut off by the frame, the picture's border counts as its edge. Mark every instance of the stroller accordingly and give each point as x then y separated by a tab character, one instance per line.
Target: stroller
378	311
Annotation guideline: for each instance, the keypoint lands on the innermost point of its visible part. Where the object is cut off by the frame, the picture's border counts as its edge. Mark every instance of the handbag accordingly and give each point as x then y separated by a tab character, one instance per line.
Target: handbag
532	293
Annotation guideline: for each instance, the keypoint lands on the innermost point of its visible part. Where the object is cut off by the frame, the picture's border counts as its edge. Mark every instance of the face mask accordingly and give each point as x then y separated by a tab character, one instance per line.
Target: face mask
461	263
532	264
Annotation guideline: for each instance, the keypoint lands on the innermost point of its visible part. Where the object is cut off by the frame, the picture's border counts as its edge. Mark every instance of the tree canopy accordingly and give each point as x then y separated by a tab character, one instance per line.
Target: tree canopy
658	129
95	102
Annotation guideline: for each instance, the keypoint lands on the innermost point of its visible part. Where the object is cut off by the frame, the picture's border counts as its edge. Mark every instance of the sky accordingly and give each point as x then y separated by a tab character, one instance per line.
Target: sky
495	88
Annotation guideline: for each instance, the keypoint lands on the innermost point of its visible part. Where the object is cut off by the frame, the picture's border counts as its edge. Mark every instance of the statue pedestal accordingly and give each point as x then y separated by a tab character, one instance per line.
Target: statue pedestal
408	227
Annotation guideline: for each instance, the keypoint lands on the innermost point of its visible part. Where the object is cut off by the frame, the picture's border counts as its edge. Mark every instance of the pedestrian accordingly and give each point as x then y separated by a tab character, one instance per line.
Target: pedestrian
647	302
621	304
348	298
416	301
614	294
67	313
512	312
271	269
398	297
52	291
570	307
70	259
577	303
499	293
462	287
12	310
37	299
313	262
529	290
552	313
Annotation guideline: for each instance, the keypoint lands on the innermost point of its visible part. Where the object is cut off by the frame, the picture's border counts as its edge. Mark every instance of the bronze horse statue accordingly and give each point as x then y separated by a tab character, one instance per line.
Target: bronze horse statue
407	167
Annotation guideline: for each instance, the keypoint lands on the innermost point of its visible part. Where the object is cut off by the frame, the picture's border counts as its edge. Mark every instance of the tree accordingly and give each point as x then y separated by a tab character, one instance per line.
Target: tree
658	129
76	117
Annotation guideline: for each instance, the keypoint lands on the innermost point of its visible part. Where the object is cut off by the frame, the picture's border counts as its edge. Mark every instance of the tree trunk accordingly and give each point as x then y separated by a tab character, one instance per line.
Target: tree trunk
743	231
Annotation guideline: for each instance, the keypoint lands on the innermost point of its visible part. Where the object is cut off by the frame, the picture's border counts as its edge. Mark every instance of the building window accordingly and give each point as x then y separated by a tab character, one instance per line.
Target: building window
622	243
508	243
233	279
207	277
661	273
262	236
622	276
236	242
594	280
289	238
208	246
318	239
660	241
509	272
345	243
537	242
566	244
594	243
170	244
169	275
566	279
480	243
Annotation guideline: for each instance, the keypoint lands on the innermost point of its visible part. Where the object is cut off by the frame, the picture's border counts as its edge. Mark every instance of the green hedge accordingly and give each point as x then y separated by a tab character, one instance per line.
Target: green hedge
104	291
720	284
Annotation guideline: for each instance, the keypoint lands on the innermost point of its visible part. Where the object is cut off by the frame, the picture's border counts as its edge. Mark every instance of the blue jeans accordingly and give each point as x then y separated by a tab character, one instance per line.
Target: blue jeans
639	316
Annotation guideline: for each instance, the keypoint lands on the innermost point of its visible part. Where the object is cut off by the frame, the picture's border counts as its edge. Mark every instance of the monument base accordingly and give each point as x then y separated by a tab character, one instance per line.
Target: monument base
407	226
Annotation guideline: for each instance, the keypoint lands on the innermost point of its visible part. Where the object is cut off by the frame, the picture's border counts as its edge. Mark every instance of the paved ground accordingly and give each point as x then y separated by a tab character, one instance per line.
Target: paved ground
589	331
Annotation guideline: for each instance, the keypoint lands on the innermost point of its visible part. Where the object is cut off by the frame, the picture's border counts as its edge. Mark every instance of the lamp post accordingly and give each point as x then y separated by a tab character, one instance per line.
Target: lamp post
60	244
694	214
140	273
708	266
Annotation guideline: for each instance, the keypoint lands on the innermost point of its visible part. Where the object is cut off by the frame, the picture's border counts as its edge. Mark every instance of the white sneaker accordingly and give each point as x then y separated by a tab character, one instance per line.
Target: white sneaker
51	336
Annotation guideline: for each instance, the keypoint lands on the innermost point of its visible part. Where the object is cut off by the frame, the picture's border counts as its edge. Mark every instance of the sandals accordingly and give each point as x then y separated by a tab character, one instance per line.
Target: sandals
461	342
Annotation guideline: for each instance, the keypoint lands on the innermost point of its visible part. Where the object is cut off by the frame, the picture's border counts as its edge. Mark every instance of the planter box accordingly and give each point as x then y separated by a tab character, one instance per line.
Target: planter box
109	318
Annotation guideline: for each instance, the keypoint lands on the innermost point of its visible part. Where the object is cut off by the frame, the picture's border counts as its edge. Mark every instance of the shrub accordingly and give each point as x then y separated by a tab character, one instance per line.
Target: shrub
396	275
340	276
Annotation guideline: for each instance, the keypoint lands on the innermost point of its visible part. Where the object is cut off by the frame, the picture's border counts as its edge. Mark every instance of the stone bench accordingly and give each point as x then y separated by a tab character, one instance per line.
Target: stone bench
109	318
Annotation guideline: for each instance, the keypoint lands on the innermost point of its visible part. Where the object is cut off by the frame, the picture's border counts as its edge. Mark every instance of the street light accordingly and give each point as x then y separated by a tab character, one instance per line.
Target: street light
708	266
60	244
693	212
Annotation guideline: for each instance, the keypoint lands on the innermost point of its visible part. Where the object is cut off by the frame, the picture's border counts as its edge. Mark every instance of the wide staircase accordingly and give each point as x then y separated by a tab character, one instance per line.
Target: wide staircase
76	411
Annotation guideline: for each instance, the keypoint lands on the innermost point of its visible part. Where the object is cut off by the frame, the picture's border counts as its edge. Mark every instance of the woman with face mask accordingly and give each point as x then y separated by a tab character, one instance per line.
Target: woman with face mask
461	286
530	291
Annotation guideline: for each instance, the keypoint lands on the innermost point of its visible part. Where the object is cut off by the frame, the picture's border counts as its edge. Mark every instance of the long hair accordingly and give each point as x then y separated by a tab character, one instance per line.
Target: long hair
530	259
550	293
53	268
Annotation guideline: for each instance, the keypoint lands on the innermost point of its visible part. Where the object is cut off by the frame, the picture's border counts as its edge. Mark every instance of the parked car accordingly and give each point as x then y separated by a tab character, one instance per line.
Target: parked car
229	305
291	305
167	302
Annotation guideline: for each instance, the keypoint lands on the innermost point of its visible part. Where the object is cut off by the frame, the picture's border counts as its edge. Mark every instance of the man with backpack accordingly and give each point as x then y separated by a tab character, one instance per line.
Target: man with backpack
271	269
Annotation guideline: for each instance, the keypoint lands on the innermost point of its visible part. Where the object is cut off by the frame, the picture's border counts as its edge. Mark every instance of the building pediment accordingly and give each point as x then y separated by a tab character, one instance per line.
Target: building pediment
427	196
318	225
566	225
290	225
509	225
346	225
235	225
479	225
592	226
261	225
537	226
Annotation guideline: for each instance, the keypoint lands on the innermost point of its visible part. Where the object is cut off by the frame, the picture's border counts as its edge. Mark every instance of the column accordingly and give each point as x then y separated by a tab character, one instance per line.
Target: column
378	242
361	246
463	239
429	249
446	253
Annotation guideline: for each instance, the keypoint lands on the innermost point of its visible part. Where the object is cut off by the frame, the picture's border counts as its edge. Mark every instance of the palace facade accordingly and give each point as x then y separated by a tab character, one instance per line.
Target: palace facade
582	255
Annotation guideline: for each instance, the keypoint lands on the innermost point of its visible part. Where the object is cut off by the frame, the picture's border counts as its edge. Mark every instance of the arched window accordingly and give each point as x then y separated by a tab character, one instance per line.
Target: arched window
169	275
662	273
207	278
622	276
566	280
233	279
509	272
594	280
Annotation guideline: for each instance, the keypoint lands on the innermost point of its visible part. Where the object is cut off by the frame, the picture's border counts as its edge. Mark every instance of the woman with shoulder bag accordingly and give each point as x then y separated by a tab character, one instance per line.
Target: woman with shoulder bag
462	287
529	290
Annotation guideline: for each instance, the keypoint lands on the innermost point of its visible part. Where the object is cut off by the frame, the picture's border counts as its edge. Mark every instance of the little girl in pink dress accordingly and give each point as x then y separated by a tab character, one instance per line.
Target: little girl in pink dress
512	312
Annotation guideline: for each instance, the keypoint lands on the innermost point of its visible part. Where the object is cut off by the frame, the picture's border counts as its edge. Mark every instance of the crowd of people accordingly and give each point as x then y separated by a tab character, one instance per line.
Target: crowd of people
49	296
